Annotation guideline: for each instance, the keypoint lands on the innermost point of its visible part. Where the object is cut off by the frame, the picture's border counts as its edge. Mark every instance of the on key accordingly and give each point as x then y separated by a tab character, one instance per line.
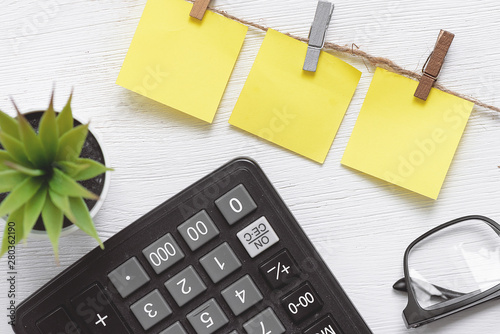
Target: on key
302	302
97	312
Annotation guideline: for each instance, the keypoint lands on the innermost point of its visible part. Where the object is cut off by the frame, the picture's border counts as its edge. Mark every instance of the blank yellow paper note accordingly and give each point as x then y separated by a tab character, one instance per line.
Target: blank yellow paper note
180	61
290	107
404	140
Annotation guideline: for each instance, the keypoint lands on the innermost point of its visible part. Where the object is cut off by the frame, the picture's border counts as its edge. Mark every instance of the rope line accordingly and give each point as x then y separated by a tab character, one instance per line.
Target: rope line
365	56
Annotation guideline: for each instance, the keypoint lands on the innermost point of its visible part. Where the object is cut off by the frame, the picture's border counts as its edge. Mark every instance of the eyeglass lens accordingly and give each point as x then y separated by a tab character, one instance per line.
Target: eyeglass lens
454	264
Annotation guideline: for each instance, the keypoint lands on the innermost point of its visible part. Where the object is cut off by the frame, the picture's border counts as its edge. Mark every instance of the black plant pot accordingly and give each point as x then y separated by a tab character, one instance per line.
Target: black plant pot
98	185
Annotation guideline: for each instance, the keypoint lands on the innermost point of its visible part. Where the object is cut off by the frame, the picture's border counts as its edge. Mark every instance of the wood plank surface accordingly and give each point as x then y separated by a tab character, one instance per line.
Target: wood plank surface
359	224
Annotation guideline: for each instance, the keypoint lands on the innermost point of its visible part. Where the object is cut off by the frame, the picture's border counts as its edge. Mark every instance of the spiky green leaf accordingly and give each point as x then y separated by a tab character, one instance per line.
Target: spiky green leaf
71	143
62	203
71	168
24	170
9	179
4	157
94	169
83	219
53	221
15	148
33	209
20	195
9	125
66	186
31	142
65	118
49	133
13	233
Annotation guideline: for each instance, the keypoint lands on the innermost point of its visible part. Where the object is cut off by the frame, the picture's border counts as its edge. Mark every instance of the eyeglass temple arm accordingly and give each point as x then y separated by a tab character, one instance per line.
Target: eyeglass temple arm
400	285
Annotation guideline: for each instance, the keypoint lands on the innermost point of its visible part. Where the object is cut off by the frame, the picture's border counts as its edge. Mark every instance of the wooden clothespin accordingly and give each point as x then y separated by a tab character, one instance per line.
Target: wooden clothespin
199	9
317	34
433	65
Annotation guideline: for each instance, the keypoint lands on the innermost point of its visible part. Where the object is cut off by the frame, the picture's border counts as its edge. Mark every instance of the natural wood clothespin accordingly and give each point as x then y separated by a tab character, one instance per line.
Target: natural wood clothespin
199	9
433	65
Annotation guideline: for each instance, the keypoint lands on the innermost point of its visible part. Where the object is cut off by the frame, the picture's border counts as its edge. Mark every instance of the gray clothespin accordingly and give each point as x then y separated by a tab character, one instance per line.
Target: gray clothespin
317	34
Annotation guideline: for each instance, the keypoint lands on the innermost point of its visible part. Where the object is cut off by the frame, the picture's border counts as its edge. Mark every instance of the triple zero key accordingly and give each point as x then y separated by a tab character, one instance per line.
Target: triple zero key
163	253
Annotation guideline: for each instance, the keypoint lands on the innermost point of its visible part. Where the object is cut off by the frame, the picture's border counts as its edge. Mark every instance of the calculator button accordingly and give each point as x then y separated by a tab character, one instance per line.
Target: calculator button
236	204
128	277
234	332
185	286
198	230
302	302
207	318
265	322
242	295
279	269
324	325
220	262
151	309
98	312
175	329
57	322
257	237
163	253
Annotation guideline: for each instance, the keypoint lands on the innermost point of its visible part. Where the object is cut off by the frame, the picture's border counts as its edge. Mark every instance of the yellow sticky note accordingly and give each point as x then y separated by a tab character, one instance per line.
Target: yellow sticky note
290	107
404	140
180	61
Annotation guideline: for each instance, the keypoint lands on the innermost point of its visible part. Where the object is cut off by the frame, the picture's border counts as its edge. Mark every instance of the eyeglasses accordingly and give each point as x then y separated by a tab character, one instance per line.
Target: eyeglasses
450	268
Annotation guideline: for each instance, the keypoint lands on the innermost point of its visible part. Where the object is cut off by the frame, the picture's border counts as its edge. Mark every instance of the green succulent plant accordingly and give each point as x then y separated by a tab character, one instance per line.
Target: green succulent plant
40	171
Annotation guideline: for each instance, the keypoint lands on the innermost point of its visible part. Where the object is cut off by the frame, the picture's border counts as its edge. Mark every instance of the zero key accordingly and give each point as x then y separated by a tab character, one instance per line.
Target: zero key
236	204
98	312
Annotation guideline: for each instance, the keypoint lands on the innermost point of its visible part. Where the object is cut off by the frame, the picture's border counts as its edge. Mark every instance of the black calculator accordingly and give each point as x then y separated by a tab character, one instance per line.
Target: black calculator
223	256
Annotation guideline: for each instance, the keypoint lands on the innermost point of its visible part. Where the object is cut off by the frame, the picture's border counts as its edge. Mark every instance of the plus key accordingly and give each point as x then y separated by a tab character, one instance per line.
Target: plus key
97	312
101	320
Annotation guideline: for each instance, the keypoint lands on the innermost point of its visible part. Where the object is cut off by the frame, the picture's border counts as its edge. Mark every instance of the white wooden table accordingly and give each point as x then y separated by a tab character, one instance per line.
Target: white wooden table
359	224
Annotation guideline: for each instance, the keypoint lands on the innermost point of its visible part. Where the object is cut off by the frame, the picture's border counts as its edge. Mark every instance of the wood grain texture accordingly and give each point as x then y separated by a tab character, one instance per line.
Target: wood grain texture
434	64
359	224
199	9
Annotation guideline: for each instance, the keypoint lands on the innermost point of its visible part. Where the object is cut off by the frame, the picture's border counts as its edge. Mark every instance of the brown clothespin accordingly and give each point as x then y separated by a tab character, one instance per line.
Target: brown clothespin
199	9
433	65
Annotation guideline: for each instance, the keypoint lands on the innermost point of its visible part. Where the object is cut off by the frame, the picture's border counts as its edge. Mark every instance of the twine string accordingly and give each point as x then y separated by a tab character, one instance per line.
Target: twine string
374	61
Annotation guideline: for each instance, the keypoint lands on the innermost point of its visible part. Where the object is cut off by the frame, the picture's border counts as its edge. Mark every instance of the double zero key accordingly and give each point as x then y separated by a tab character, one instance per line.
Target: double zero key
302	302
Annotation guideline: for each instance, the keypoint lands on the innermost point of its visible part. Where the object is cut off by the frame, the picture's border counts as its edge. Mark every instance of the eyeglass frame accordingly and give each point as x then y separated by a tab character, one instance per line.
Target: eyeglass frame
414	315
